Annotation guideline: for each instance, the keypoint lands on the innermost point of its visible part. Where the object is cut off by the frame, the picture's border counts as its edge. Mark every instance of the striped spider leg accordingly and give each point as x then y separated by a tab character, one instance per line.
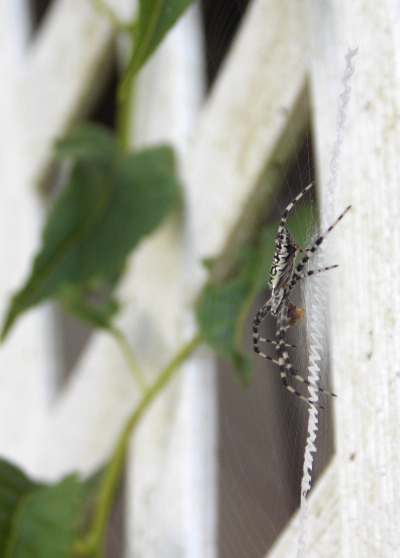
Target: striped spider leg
283	278
296	276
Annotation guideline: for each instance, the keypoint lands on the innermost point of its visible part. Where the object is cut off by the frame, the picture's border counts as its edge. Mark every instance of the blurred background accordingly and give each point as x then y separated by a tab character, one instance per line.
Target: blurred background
262	427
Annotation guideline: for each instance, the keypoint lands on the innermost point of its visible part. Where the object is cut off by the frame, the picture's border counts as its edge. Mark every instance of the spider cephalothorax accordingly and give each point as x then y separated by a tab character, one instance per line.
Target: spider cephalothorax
283	278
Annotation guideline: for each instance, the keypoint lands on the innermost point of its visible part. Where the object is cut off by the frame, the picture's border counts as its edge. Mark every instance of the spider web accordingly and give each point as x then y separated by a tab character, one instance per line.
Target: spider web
269	452
316	291
263	427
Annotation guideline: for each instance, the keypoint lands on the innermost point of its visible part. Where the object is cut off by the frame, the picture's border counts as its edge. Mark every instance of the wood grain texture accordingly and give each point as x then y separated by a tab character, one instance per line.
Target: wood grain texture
360	508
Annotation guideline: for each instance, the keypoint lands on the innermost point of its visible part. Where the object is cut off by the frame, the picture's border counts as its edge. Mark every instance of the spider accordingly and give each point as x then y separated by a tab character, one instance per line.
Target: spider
282	279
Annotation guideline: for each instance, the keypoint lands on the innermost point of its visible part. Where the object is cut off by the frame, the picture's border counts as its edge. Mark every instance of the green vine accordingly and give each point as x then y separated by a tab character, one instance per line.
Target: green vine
92	543
129	358
113	199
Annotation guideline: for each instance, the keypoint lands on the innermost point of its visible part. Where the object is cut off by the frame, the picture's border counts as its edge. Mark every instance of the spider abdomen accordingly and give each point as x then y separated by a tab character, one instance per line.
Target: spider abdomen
283	262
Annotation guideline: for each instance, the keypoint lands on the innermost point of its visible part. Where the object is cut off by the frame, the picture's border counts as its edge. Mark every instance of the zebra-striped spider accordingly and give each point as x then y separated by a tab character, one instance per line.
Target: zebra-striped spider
282	279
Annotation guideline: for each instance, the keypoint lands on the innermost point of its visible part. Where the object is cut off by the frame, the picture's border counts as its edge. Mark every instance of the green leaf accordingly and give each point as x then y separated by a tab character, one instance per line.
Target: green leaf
14	487
218	310
37	520
95	309
218	316
111	202
223	308
44	524
156	17
87	140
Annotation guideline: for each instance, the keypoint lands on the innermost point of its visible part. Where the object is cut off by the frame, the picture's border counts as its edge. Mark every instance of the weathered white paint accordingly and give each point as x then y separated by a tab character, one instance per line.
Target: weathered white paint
244	127
23	359
354	511
365	328
58	77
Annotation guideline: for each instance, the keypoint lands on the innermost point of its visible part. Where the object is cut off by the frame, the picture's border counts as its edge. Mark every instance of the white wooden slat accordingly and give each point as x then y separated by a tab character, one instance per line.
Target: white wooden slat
173	117
171	500
81	427
60	74
13	37
42	93
365	329
15	28
23	358
87	417
254	118
323	522
123	11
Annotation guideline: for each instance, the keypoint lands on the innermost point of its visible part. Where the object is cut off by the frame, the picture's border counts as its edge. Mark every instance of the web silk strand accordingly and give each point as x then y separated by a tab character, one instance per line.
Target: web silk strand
316	300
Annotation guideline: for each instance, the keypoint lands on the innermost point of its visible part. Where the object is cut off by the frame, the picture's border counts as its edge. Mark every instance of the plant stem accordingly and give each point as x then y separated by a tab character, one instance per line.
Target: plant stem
124	121
129	357
105	9
93	542
124	104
